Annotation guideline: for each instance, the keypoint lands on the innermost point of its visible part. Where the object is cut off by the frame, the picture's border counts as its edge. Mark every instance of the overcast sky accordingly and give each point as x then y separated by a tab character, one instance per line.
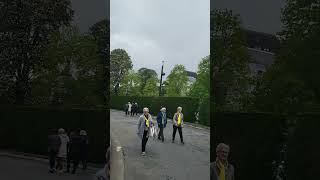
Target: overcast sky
257	15
176	31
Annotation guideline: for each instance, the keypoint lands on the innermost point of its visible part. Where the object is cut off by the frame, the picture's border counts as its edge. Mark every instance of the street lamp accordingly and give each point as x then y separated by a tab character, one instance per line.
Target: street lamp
161	75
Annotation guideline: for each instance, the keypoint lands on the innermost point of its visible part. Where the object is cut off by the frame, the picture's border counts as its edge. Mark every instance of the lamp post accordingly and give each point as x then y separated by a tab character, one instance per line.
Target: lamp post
161	75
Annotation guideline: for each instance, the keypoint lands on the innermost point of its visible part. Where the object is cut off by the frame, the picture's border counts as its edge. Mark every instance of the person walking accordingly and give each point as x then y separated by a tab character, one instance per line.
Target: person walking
134	109
221	169
126	107
84	149
75	150
62	154
178	124
129	108
162	122
54	143
144	125
69	154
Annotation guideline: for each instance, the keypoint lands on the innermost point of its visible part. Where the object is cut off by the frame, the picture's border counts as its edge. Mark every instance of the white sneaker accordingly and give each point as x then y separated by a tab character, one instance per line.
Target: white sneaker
143	153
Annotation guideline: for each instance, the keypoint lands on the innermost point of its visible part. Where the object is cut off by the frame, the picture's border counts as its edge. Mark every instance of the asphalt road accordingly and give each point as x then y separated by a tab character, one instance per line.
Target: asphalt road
22	169
164	161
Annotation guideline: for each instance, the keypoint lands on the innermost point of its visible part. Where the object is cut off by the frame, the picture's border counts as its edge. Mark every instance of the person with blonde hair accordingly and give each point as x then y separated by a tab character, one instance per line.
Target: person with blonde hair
144	125
178	124
62	154
221	169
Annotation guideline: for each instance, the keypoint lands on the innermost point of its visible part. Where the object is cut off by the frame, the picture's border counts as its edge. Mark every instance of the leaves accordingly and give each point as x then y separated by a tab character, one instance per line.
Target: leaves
177	81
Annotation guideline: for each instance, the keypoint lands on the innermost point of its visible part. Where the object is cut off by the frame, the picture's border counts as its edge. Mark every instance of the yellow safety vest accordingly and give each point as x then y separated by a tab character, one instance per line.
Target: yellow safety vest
179	119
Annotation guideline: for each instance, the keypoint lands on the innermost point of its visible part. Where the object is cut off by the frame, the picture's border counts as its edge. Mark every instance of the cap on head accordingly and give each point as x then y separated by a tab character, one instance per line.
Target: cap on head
83	132
163	109
179	108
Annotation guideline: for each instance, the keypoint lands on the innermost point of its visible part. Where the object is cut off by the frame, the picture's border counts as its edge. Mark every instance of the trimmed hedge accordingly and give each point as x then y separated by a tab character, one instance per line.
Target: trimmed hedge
254	141
189	105
304	148
26	129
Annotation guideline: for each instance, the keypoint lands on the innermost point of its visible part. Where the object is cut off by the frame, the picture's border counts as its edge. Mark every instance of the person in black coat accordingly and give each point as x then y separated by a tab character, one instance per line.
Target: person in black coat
75	150
162	122
84	149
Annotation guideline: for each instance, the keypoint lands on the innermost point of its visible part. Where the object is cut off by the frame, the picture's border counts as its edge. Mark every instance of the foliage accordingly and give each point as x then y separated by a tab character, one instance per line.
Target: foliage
101	33
130	84
120	64
73	69
177	81
200	88
25	27
290	84
145	75
151	88
230	60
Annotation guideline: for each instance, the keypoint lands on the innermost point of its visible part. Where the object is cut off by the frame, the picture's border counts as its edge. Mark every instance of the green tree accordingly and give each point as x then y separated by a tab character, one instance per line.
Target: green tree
120	64
230	59
101	33
72	72
145	75
177	81
200	88
130	84
25	30
290	84
151	88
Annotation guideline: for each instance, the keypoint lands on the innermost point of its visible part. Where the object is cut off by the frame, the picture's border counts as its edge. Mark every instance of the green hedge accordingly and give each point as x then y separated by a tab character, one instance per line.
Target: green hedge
304	148
189	105
204	112
26	129
254	140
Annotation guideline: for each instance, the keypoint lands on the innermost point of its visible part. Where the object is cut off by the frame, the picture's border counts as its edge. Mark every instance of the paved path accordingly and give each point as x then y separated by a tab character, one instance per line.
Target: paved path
22	169
164	161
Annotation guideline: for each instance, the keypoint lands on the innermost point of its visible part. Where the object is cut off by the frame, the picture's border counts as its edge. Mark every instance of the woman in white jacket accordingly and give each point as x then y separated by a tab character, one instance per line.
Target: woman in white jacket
62	154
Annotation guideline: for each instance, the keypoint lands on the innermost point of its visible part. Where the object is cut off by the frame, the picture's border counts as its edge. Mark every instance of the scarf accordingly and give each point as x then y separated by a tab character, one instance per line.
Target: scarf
222	167
179	119
147	120
163	117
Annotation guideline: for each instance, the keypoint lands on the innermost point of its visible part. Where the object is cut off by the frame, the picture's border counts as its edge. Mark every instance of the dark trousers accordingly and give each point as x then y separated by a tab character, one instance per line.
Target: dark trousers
76	160
132	113
174	132
144	141
127	112
52	158
161	136
68	161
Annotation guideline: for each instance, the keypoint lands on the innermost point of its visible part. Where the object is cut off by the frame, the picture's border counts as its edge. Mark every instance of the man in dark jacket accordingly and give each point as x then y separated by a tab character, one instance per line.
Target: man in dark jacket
134	109
162	122
54	143
75	150
84	149
69	155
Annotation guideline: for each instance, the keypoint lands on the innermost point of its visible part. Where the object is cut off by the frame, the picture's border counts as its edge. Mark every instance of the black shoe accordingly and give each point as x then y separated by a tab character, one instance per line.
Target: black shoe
182	142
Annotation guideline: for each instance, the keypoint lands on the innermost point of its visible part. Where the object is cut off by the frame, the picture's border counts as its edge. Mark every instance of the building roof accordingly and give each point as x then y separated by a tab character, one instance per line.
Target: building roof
262	41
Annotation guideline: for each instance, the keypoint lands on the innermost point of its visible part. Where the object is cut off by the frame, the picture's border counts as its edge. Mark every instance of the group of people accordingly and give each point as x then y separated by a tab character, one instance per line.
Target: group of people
145	124
63	148
131	109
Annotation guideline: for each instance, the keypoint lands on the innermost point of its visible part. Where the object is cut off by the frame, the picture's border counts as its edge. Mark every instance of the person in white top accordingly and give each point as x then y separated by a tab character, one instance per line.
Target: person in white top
62	154
129	108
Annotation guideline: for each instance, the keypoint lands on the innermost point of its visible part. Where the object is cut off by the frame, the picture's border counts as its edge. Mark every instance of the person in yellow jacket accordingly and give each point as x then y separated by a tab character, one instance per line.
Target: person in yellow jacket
221	169
178	124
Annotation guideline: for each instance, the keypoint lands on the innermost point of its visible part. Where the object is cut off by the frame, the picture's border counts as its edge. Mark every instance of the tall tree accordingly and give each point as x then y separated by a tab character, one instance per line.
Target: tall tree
120	64
145	75
151	88
130	84
177	81
200	88
229	59
72	72
24	34
101	33
290	84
